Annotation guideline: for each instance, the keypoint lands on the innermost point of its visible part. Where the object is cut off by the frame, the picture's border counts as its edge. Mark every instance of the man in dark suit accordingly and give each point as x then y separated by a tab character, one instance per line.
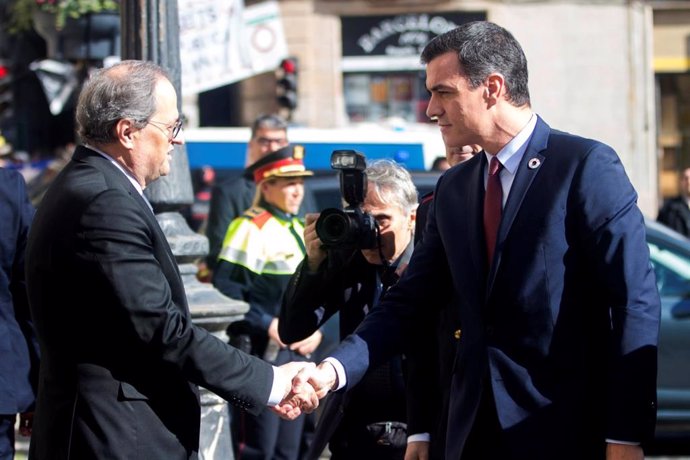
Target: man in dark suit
437	362
121	359
18	347
543	255
675	213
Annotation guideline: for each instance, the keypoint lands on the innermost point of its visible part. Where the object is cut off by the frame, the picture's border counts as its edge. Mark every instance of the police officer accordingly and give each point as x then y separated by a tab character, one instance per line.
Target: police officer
260	252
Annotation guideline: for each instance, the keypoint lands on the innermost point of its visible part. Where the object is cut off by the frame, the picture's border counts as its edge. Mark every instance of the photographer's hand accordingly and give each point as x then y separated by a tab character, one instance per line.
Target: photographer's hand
315	251
307	346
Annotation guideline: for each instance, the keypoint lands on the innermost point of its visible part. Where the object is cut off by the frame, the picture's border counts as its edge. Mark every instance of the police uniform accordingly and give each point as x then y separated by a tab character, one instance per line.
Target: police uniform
261	250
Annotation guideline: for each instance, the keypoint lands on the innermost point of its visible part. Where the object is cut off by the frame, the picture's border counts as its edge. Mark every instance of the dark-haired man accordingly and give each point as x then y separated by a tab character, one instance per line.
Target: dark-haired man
540	246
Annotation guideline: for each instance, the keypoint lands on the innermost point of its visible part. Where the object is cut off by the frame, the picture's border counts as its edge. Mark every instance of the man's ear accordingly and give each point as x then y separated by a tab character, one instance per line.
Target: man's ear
495	87
126	132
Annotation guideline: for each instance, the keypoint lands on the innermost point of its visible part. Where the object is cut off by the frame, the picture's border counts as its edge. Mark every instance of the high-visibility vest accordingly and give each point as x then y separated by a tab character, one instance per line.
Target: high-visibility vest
264	243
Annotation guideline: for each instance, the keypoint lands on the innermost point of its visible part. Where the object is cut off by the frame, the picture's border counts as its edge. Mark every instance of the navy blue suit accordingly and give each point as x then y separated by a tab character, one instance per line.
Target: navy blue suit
18	347
561	330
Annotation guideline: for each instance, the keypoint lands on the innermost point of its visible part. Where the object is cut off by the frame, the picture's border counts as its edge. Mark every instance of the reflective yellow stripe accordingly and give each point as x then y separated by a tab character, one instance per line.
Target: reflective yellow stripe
272	249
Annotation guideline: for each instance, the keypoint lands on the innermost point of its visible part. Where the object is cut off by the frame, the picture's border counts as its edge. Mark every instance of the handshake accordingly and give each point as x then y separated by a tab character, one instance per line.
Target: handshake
305	385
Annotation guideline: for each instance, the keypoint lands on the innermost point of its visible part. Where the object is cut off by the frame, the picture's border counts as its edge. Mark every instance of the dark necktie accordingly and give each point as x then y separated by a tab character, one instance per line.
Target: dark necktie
493	203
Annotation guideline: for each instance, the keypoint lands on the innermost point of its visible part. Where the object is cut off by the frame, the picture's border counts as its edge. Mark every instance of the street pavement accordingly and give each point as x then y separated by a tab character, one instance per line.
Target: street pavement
662	452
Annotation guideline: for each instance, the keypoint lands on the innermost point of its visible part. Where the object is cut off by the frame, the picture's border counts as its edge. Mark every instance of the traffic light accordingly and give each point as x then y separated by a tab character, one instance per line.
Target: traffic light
6	99
5	92
287	84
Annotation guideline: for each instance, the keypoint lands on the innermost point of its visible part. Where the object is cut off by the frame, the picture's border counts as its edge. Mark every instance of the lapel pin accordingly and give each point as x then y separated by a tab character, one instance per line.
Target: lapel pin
534	163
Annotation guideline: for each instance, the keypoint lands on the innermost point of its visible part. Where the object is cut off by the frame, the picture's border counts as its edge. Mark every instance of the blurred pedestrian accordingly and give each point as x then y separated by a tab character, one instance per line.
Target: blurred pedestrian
18	346
675	212
440	164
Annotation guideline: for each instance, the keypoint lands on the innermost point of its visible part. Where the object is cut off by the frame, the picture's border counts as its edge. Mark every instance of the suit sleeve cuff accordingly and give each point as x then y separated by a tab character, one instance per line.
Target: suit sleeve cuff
627	443
278	388
339	372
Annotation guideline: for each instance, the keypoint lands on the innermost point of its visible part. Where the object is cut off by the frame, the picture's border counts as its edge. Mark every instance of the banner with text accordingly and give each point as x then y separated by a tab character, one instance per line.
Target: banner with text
222	42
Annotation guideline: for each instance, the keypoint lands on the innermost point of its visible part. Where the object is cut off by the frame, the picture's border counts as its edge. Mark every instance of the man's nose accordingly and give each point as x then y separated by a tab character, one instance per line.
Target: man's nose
432	109
179	139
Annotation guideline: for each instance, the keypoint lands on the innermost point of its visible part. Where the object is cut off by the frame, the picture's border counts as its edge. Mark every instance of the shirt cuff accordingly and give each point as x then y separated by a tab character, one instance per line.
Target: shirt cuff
278	389
339	372
419	437
627	443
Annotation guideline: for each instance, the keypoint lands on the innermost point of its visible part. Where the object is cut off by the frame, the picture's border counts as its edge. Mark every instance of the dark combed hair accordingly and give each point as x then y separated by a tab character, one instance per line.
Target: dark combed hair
484	48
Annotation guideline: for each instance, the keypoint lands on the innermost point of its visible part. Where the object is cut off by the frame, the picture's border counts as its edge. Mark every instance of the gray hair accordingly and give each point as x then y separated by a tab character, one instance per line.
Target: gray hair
483	48
123	91
268	121
392	184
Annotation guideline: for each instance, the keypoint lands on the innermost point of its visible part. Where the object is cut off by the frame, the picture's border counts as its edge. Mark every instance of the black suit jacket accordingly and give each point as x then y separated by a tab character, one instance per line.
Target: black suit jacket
120	356
430	363
563	324
18	346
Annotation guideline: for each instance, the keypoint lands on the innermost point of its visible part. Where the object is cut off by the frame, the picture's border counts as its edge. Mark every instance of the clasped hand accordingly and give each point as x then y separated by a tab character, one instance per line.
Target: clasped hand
306	384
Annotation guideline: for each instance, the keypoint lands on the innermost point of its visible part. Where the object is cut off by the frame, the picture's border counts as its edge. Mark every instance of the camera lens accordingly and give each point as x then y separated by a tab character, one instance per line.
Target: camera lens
334	227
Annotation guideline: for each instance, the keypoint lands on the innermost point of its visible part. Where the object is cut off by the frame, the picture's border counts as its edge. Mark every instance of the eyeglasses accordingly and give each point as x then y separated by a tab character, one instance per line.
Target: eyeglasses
176	128
265	141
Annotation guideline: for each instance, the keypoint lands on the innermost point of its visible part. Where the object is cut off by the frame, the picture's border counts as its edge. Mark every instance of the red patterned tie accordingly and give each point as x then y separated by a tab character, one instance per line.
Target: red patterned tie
493	203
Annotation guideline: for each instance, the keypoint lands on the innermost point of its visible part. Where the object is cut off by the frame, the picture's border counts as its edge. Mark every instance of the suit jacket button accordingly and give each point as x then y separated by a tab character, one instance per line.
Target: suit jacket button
489	331
457	334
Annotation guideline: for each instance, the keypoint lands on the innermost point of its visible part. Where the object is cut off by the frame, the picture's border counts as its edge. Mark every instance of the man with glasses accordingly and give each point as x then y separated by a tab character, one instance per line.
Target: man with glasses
121	358
232	196
369	423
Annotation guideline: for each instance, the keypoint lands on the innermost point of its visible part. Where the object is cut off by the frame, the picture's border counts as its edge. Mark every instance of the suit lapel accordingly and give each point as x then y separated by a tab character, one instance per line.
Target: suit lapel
526	172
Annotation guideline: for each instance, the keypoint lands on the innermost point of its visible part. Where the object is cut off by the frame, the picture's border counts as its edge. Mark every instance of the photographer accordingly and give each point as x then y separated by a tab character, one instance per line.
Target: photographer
368	421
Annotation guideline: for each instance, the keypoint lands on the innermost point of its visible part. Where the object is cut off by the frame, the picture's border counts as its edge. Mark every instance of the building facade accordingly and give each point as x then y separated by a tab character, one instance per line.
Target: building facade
672	70
591	67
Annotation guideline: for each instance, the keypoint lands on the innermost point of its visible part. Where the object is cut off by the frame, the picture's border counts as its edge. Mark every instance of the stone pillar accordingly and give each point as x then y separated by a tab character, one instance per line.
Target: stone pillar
150	32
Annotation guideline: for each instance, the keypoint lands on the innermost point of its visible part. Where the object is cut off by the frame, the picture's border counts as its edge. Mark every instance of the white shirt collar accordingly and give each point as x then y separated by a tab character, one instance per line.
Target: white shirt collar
511	154
119	166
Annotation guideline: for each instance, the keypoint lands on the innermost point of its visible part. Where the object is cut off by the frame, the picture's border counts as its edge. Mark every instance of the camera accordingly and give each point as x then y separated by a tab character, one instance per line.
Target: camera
350	226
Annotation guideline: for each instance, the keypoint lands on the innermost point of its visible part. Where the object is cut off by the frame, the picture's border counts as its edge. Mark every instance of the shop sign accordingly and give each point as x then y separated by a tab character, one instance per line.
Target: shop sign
398	36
